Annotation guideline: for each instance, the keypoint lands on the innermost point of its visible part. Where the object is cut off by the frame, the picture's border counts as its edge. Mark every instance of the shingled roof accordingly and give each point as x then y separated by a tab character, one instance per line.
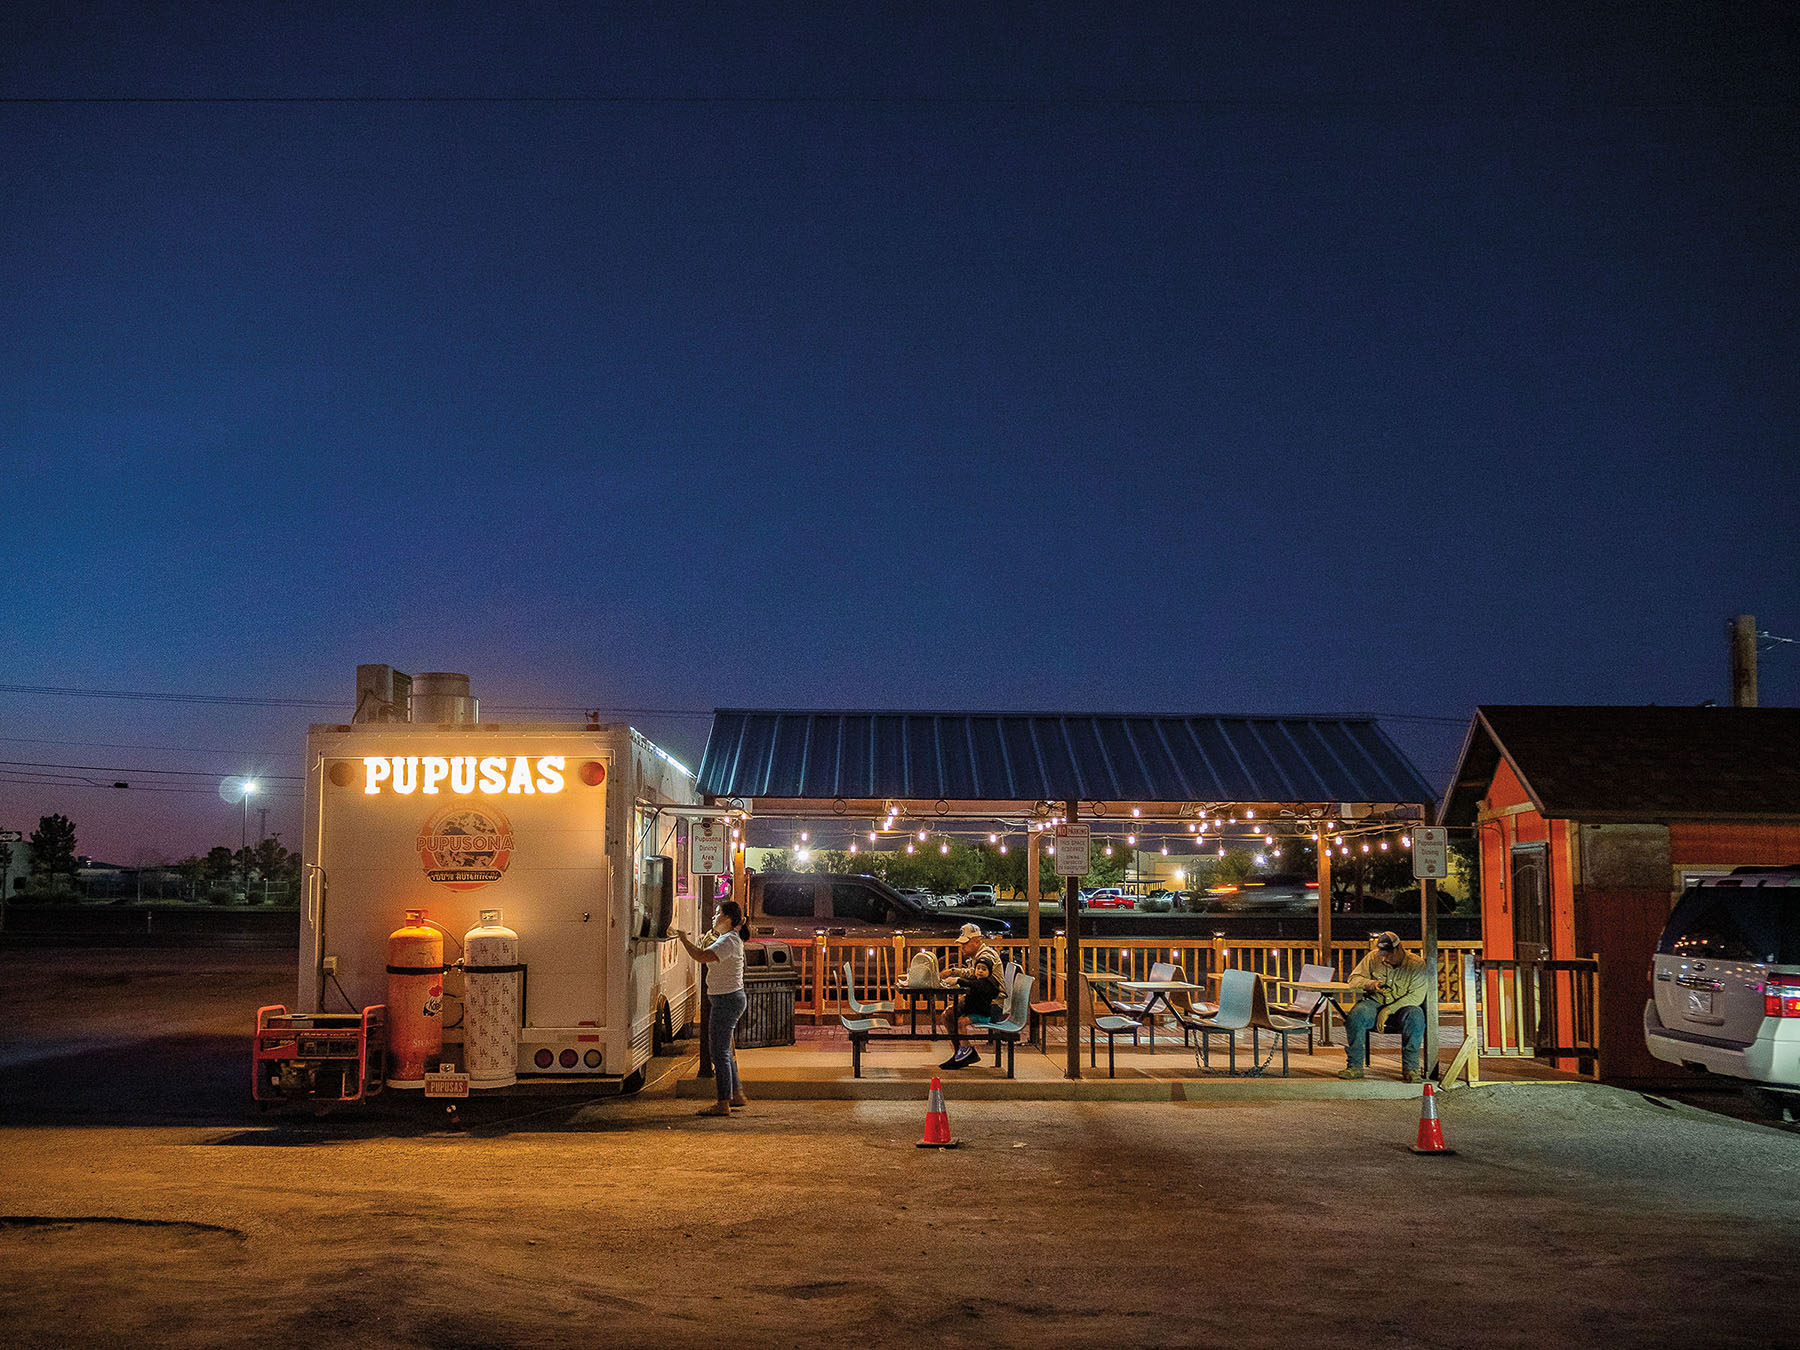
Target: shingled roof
1626	764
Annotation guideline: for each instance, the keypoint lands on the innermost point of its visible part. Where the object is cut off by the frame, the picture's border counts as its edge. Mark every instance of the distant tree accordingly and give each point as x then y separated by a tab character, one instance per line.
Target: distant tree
53	848
221	863
194	872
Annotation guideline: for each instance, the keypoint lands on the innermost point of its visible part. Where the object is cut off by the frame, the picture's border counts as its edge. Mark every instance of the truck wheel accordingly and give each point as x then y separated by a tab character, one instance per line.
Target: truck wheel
660	1034
632	1082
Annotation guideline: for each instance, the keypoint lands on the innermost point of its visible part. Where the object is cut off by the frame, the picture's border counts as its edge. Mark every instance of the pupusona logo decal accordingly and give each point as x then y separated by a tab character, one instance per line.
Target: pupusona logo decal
464	775
465	847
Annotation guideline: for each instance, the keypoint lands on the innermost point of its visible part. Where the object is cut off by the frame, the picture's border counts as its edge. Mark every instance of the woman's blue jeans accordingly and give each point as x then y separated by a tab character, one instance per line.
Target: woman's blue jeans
1361	1019
727	1012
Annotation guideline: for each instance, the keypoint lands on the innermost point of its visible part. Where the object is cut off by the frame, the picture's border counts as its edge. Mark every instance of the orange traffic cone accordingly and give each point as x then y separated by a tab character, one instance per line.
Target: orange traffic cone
937	1120
1431	1129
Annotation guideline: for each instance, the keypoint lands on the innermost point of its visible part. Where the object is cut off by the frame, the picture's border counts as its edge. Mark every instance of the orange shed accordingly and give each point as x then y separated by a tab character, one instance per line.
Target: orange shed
1591	821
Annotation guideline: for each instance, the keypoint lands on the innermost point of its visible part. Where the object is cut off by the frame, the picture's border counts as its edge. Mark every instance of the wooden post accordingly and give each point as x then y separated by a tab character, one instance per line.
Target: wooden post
1428	925
1323	848
1072	1005
1743	661
1032	928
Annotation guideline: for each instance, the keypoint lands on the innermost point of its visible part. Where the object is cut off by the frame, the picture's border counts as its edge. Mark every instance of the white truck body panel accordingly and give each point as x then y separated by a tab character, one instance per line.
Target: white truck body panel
562	866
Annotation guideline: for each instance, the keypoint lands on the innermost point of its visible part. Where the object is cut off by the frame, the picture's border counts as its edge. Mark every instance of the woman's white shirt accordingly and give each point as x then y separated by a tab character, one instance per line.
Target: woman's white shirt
727	974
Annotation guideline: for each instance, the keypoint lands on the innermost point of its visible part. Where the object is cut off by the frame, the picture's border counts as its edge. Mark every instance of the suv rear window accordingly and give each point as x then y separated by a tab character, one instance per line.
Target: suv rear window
1728	924
788	899
851	901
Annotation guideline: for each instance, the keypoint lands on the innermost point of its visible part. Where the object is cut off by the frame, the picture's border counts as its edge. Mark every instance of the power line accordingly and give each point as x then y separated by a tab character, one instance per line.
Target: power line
268	701
126	768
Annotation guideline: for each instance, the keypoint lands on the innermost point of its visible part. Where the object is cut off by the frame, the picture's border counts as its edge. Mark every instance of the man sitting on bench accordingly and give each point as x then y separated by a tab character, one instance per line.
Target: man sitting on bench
1390	982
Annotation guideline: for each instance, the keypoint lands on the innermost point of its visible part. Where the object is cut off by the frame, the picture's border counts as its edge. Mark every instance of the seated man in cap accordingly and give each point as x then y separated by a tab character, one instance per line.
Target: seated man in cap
980	975
1391	983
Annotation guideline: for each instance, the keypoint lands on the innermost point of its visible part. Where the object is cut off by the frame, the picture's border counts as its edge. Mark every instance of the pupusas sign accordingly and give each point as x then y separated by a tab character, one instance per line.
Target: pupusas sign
464	775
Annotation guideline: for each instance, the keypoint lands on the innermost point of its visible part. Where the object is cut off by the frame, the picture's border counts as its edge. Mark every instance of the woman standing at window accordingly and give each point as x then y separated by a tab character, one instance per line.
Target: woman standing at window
724	952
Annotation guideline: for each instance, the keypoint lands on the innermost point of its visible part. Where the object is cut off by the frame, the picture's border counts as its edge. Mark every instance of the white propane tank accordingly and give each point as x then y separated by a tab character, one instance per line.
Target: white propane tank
491	988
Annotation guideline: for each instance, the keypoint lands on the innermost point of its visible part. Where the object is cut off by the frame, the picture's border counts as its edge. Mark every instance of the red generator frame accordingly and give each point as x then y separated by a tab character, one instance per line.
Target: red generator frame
320	1058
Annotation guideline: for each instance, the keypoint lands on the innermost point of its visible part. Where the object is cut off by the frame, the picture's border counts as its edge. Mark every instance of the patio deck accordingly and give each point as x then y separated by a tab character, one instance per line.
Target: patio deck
817	1067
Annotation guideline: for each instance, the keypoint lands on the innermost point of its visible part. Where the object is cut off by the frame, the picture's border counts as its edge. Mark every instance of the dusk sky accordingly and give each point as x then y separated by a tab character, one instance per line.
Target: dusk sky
1186	358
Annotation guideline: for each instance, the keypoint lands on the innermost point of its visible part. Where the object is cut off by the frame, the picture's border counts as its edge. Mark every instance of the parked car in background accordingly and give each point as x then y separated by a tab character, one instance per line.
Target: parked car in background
796	905
1109	897
981	895
1725	981
1159	901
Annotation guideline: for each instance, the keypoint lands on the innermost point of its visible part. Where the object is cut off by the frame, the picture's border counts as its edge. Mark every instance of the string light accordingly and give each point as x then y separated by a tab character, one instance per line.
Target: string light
1108	850
1384	848
1003	848
944	847
1406	841
1249	815
1165	852
1365	848
1221	850
871	836
803	836
1050	849
1191	827
853	845
993	839
909	847
921	836
1131	839
1136	812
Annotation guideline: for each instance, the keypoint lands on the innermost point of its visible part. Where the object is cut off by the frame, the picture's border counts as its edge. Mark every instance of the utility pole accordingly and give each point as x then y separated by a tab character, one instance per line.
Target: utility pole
262	827
1743	661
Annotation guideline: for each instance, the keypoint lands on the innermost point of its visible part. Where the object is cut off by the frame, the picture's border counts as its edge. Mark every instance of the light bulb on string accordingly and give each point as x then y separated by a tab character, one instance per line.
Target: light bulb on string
1165	851
871	836
921	836
853	845
1107	850
1131	839
1365	848
1003	848
944	847
803	836
1249	815
909	847
1136	812
1406	841
1221	850
1384	847
993	839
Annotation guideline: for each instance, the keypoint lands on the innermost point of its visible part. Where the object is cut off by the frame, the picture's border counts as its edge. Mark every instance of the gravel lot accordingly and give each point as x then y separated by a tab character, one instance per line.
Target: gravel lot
144	1202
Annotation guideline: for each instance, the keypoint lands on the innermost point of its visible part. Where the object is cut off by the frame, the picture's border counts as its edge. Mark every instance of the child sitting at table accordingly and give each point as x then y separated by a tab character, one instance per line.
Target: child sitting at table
980	991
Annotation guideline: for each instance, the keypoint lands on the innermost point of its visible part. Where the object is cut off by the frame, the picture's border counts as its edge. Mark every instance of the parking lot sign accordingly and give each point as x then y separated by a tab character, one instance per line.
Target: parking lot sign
1431	853
1072	843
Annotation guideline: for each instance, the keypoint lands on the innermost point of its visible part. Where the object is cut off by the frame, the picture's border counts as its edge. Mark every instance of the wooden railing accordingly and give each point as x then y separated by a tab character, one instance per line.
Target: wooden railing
876	964
1546	1010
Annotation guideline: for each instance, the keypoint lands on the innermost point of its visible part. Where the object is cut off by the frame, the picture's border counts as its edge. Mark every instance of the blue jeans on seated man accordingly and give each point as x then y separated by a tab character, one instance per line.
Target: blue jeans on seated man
1361	1019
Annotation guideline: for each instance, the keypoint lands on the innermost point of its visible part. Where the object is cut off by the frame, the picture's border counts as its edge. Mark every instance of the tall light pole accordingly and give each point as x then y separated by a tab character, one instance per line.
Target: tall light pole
244	834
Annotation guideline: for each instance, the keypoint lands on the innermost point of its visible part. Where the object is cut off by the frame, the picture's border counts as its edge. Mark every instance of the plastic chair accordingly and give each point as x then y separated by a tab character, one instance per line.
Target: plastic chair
1261	1019
1186	1013
1018	1017
860	1029
1110	1024
1305	1005
861	1009
1237	1001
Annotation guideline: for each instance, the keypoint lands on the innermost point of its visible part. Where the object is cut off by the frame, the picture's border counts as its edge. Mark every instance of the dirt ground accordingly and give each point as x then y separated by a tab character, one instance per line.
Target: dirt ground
144	1202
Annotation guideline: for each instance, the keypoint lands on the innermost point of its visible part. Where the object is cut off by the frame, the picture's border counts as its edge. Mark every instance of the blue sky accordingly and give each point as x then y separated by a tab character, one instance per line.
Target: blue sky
1196	358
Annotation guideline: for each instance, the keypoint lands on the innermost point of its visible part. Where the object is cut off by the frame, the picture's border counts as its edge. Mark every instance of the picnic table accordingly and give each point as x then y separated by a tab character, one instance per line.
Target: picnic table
1327	1005
1157	990
931	994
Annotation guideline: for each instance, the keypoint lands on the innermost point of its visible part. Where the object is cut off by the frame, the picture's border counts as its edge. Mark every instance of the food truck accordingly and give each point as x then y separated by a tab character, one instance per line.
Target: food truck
491	905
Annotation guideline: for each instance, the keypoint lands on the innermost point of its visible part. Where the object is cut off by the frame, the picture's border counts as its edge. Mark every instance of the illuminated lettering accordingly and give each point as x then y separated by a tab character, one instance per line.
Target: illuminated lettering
550	773
462	775
465	775
437	769
493	774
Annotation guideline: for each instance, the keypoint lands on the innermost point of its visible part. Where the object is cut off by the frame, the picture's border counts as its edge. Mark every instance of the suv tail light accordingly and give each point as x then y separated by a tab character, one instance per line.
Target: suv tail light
1781	995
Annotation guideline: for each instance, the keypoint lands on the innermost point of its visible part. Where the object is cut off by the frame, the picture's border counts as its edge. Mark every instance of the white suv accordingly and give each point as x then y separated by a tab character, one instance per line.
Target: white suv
1726	980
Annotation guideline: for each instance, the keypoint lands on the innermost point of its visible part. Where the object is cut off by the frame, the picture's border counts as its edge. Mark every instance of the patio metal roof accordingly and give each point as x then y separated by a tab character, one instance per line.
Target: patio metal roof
1031	757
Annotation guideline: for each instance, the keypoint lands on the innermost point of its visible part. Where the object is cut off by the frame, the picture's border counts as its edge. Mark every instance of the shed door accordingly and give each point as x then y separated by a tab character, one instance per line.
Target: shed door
1531	902
1531	933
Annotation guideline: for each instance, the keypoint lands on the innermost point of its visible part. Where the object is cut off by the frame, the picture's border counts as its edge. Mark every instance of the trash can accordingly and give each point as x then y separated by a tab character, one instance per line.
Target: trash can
771	982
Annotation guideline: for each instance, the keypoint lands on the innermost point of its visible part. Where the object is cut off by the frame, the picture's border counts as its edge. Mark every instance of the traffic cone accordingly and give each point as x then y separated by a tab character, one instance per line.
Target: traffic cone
1431	1129
937	1120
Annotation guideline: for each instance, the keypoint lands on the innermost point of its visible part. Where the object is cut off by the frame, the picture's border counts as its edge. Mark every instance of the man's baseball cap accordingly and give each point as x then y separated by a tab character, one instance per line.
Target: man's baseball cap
1387	942
969	930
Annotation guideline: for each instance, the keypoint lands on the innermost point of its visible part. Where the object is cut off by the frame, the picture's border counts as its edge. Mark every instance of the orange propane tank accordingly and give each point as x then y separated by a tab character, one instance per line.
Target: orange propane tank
415	1000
